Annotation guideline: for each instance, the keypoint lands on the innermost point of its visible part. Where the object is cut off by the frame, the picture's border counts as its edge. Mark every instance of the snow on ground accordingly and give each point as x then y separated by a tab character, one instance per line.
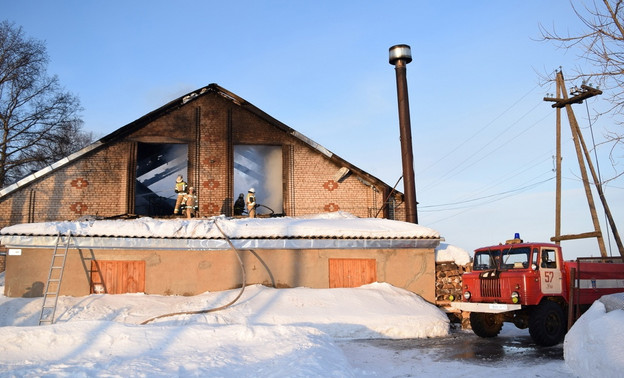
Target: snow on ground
268	333
594	345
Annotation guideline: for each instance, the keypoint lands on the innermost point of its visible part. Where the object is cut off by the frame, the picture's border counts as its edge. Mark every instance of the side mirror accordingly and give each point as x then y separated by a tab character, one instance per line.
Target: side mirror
533	267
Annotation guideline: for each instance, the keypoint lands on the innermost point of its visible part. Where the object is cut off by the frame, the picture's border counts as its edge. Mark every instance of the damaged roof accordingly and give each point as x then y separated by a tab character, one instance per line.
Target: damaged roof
176	104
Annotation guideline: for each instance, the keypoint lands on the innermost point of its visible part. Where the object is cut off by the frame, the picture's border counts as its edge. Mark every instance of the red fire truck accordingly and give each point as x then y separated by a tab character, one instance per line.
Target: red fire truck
530	285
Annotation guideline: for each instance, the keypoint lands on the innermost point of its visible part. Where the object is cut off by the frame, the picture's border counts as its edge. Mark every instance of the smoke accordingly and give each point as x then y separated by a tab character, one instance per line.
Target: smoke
260	167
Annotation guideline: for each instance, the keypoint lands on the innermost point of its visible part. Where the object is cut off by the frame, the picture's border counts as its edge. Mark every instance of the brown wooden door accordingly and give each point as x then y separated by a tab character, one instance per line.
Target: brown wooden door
117	277
352	272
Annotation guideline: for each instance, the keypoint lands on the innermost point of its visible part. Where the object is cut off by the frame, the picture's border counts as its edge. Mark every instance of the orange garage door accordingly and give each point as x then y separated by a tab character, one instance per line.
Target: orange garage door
352	272
117	277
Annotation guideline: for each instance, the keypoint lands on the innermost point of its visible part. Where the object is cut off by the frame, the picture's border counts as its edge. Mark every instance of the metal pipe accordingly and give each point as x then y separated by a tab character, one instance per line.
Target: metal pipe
400	56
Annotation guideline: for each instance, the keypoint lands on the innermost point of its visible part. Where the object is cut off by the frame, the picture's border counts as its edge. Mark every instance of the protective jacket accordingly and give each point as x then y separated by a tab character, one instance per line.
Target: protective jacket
180	187
239	205
189	204
251	204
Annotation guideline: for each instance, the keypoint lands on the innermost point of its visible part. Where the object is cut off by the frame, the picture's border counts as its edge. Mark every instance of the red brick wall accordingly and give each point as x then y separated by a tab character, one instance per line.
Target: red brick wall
93	184
101	182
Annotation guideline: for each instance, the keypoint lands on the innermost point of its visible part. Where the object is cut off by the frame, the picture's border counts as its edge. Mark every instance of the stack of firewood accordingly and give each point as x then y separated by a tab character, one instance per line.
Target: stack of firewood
449	289
3	253
448	281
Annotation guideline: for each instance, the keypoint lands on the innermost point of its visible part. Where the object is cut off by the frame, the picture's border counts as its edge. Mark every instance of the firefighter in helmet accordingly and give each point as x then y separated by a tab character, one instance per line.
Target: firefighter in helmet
251	203
180	189
239	205
189	203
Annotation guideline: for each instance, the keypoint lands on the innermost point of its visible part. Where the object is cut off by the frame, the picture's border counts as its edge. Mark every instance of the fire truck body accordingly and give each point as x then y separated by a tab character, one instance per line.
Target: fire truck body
531	285
595	278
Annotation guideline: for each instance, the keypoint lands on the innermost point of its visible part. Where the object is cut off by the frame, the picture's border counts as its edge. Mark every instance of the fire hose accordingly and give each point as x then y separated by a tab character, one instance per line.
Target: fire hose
240	293
271	210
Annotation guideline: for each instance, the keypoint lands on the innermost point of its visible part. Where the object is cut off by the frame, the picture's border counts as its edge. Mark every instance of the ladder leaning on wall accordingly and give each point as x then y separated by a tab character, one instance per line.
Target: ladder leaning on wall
53	286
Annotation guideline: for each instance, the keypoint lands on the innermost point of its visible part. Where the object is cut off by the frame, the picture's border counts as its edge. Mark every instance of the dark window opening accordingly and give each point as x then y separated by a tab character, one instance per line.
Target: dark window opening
260	167
158	165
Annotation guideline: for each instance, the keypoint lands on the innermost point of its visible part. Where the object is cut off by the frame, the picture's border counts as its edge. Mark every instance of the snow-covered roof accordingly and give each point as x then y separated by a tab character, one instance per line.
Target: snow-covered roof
447	252
328	230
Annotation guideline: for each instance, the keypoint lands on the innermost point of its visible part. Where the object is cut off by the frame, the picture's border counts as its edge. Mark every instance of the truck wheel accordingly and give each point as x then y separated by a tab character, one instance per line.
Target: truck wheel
485	325
547	324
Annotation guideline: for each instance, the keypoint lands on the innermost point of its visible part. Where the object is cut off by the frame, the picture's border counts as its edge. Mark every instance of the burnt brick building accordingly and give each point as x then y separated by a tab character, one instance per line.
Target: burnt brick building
222	145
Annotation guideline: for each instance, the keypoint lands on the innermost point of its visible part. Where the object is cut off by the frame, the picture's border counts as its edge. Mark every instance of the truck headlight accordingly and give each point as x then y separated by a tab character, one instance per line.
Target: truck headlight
515	297
467	295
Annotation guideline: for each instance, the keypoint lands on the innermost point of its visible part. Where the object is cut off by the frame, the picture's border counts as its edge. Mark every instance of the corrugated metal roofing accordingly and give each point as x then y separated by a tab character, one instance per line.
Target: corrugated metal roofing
331	230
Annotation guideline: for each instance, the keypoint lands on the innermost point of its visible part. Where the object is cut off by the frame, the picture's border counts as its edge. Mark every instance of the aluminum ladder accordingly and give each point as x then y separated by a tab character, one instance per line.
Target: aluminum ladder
53	286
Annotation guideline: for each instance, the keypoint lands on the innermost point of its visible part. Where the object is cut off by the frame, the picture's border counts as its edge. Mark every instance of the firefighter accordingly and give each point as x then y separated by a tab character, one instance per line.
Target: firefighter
189	203
251	203
180	189
239	205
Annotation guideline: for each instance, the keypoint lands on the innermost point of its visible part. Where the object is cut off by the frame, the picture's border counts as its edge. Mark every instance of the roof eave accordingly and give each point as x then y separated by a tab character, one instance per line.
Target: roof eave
93	242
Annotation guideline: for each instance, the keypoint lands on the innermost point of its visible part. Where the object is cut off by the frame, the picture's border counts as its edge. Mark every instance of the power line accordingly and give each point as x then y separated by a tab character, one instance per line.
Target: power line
469	208
466	163
468	204
512	173
480	130
521	189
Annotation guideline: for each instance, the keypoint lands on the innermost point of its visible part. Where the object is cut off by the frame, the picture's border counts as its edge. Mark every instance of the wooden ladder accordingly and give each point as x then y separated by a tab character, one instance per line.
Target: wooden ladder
53	286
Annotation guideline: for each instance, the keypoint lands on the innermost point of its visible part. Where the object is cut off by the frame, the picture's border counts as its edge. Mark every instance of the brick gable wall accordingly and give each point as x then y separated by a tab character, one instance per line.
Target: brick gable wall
102	182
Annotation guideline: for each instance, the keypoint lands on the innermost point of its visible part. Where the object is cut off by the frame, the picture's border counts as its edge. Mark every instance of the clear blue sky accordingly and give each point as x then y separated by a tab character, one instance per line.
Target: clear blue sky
483	137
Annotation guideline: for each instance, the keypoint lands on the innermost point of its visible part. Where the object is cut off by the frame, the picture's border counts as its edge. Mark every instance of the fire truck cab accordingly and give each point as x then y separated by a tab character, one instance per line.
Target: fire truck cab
530	285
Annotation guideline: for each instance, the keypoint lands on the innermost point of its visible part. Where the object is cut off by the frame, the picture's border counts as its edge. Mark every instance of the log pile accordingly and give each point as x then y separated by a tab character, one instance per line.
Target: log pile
449	288
449	281
3	253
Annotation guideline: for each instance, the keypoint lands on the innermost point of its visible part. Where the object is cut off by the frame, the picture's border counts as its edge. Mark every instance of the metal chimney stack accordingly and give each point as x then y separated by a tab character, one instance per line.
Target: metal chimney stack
400	56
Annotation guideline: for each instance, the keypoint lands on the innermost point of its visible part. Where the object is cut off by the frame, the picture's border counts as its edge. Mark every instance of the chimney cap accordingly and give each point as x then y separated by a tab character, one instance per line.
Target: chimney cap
400	52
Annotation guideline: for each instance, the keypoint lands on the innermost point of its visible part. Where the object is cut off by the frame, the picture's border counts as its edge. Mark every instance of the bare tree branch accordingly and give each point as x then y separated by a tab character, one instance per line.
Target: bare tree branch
601	45
39	120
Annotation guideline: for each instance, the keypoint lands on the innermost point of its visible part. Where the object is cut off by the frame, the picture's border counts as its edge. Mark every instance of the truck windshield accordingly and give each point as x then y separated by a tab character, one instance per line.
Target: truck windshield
502	259
486	260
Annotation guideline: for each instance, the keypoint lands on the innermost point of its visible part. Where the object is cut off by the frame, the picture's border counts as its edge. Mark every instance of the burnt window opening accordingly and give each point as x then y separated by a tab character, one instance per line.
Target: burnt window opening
260	167
158	165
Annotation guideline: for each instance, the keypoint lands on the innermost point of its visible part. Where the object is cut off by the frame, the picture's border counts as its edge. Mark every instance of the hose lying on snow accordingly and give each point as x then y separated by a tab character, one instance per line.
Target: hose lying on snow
240	293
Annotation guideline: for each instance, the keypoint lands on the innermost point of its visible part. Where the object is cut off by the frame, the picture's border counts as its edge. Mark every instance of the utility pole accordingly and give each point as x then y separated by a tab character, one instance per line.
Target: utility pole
558	170
582	154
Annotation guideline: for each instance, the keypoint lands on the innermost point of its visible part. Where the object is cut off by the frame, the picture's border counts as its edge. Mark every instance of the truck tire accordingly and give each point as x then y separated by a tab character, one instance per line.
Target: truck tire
547	324
485	325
